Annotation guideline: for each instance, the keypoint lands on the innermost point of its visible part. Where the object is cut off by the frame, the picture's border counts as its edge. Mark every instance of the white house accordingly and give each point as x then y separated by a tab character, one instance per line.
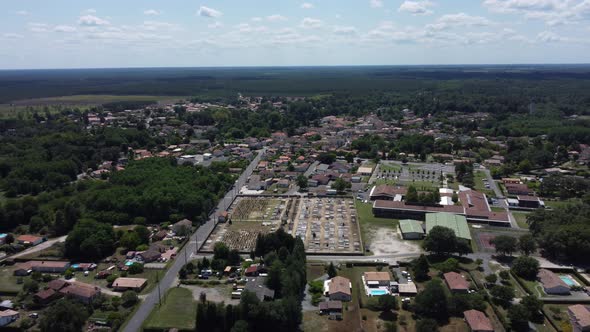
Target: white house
7	317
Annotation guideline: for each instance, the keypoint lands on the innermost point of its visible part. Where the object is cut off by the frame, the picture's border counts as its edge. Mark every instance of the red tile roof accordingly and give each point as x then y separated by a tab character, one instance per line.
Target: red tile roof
456	281
478	321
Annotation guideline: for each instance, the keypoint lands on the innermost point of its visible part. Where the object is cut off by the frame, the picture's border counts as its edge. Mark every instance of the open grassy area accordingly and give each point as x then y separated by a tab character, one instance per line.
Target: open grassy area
556	204
8	282
151	276
366	218
479	177
315	270
557	314
423	185
521	219
178	310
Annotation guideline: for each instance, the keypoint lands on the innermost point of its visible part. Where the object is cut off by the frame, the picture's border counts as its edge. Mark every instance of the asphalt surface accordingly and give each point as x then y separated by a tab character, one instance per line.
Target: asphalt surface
196	241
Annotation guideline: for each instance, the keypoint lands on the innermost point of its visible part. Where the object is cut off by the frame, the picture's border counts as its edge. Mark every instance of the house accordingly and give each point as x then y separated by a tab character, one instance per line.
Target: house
338	289
579	317
252	270
148	256
531	202
23	269
46	296
7	317
57	284
258	287
552	284
159	236
29	240
376	279
386	192
6	304
456	282
182	227
411	229
477	321
82	292
518	189
364	170
328	307
123	284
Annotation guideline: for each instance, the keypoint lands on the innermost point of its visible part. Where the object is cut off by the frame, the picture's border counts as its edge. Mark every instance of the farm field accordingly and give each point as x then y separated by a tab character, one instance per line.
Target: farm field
177	311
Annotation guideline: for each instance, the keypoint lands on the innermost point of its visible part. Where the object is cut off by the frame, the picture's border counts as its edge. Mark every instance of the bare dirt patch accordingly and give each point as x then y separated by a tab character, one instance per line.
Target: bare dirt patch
387	241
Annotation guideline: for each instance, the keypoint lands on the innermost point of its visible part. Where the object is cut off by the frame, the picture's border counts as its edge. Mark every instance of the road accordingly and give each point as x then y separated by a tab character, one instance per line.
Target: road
493	184
38	247
195	242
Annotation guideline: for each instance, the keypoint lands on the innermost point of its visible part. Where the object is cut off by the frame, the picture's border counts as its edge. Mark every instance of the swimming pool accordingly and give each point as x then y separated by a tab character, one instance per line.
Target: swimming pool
377	292
129	263
568	280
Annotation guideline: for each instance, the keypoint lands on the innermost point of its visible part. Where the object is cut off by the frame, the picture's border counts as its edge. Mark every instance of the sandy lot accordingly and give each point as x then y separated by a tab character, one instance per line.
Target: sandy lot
214	294
387	241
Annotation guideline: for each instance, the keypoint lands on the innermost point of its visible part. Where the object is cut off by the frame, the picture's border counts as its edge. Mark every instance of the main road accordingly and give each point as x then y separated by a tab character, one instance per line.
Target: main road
197	239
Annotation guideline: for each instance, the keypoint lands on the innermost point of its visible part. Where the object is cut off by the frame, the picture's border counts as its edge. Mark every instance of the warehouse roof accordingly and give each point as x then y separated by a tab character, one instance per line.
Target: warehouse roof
410	226
455	222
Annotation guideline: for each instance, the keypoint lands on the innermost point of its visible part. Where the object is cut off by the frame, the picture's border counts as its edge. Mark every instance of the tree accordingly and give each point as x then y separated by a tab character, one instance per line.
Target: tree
527	244
387	302
143	233
502	294
426	325
130	240
519	318
504	275
441	240
534	306
412	195
90	240
432	301
491	278
504	244
63	316
526	267
129	298
135	268
220	251
331	270
420	268
30	286
301	181
451	264
340	185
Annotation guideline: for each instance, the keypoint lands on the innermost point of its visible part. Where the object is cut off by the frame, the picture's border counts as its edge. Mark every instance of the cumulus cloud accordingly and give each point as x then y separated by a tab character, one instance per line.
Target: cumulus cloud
64	28
416	7
10	35
307	5
459	20
550	37
311	23
376	3
209	12
151	12
90	11
344	30
38	27
22	13
552	12
276	18
159	26
91	20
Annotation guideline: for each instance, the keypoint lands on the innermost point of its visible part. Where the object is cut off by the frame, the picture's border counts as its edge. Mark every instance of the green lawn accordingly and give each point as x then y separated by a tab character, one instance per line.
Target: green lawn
479	176
556	204
521	219
390	167
178	310
8	281
423	185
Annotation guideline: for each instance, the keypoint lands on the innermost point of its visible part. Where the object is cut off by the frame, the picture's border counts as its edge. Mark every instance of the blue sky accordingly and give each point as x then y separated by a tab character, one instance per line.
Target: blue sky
172	33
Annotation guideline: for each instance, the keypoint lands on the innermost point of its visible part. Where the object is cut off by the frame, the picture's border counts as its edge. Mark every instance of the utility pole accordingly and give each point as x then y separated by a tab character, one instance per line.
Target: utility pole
159	293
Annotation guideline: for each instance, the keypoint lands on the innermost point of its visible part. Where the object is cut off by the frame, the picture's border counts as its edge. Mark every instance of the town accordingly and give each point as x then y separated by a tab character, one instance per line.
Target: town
390	221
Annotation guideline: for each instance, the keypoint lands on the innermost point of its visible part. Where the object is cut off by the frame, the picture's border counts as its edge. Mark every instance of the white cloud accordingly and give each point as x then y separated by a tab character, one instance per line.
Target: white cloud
552	12
151	12
276	18
307	5
246	27
550	37
159	26
459	20
215	25
91	20
90	11
311	23
376	3
64	28
344	30
209	12
38	27
416	7
22	13
256	19
10	35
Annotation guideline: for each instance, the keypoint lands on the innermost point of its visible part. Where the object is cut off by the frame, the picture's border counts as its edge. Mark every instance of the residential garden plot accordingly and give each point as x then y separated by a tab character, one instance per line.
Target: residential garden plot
257	209
327	225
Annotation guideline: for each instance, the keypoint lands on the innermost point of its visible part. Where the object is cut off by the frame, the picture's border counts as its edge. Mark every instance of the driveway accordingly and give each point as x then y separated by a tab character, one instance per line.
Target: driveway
39	247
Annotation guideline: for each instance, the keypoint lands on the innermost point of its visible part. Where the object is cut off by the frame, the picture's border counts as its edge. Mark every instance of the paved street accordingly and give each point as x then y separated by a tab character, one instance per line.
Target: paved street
196	240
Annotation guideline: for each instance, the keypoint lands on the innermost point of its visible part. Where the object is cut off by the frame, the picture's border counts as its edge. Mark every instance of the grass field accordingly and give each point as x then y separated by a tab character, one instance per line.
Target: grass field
8	283
479	176
178	310
556	204
521	219
315	270
92	99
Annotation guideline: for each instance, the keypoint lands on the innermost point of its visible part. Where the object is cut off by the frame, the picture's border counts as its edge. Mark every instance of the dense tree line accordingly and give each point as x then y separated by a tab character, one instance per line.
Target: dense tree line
564	231
286	258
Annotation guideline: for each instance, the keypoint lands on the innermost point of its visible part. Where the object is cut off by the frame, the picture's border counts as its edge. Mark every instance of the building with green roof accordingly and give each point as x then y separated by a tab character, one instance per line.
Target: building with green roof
453	221
411	229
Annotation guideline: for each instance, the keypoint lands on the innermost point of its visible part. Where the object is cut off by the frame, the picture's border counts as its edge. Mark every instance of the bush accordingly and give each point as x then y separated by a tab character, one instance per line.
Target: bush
111	278
526	267
129	298
426	325
135	268
316	298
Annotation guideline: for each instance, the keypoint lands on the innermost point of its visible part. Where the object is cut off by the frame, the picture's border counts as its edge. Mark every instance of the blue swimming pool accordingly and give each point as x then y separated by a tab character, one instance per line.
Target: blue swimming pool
377	292
568	280
129	263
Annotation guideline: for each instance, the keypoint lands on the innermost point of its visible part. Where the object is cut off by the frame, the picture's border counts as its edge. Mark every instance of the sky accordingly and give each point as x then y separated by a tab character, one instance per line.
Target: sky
181	33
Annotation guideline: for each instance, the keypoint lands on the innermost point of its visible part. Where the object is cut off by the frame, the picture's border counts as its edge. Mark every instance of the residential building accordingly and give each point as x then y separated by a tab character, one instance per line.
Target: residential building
182	226
29	240
477	321
148	256
552	284
376	279
579	317
23	269
339	288
456	282
82	292
409	288
329	307
123	284
7	317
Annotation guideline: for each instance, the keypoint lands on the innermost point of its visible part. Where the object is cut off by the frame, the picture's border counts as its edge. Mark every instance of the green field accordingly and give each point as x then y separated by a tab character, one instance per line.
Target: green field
91	99
479	176
178	310
366	218
521	219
